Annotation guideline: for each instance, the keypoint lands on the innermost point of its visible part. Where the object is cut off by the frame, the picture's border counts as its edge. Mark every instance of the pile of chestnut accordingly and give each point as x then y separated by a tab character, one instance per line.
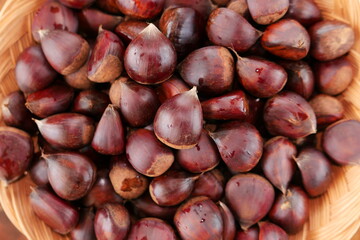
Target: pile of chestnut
218	120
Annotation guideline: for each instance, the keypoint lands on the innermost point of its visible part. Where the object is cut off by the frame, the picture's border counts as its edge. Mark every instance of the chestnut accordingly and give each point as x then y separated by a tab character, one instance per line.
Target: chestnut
290	115
240	145
108	6
287	39
79	79
199	218
228	221
16	152
32	71
220	2
127	182
151	229
240	39
77	4
277	162
150	58
341	140
250	234
269	231
315	170
210	69
85	227
91	19
112	221
210	184
261	78
91	102
327	109
58	214
305	12
147	154
333	77
145	9
171	87
250	196
38	172
231	106
129	30
54	99
330	39
291	210
204	7
239	6
267	11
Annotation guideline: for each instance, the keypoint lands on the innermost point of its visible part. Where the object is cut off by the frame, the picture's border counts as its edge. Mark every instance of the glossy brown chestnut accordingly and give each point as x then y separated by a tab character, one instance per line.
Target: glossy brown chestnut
178	121
240	145
150	58
250	234
85	227
53	15
67	130
333	77
127	182
102	191
331	39
250	196
327	109
341	140
267	11
77	4
138	103
147	207
231	106
288	114
270	231
16	152
54	99
129	30
91	102
255	115
109	136
112	221
108	6
171	87
240	39
201	158
106	60
228	221
172	188
32	71
305	12
239	6
58	214
65	51
184	27
91	19
70	174
204	7
291	210
278	163
15	114
315	170
286	39
38	172
147	154
300	78
79	79
210	184
210	69
199	218
260	77
151	229
145	9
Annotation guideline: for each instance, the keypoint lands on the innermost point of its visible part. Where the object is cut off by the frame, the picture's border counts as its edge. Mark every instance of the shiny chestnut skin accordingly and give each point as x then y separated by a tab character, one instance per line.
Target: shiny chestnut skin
91	102
341	140
333	77
290	115
38	172
151	229
183	26
267	11
228	221
91	19
287	39
145	9
250	234
129	30
210	69
269	231
330	39
305	12
85	227
240	39
300	77
108	6
210	184
204	7
171	87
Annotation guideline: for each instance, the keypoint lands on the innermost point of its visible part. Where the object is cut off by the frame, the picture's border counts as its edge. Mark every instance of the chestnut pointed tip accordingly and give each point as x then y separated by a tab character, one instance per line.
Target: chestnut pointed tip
150	29
193	91
101	29
43	32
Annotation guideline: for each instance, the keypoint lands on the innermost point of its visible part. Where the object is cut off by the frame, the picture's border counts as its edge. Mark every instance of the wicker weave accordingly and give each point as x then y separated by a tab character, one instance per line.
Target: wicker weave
334	216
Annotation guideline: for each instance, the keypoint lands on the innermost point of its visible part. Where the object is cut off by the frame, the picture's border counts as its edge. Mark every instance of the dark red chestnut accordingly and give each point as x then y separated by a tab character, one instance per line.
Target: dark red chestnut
85	227
77	4
145	9
38	172
108	6
267	11
199	218
291	210
290	115
331	39
305	12
250	196
91	102
240	145
171	87
287	39
341	140
239	39
32	71
129	30
270	231
228	220
210	184
151	229
204	7
250	234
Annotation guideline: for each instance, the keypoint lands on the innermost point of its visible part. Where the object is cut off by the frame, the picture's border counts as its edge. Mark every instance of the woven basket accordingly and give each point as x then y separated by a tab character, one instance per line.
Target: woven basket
334	216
